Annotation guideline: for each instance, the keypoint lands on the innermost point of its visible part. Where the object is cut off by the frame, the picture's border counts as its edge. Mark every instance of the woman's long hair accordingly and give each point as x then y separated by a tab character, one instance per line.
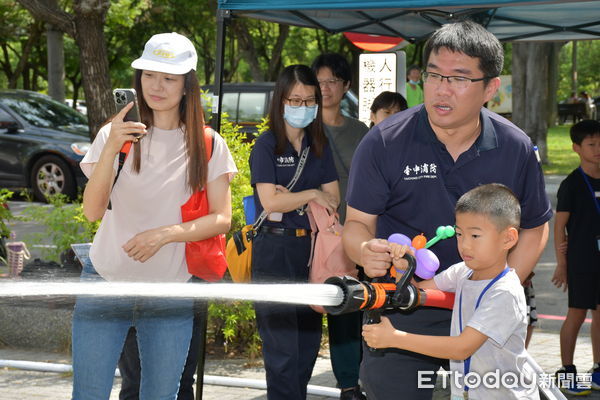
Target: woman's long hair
191	120
286	81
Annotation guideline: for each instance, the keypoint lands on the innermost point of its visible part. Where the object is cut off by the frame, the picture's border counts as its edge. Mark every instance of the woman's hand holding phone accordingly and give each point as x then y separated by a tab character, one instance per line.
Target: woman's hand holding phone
124	131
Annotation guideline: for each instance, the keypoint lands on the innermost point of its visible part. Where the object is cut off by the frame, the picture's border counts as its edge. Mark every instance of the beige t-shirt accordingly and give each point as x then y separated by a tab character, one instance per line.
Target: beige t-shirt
147	200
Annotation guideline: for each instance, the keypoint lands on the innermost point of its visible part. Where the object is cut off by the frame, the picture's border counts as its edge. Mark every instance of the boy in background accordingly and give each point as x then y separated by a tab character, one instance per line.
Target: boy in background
490	317
578	223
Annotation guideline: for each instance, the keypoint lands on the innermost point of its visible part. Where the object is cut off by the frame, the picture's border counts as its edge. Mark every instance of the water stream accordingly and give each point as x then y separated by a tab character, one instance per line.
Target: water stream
317	294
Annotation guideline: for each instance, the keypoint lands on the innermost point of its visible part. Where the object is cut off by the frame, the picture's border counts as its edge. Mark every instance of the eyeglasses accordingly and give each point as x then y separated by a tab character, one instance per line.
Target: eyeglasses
329	82
456	82
297	101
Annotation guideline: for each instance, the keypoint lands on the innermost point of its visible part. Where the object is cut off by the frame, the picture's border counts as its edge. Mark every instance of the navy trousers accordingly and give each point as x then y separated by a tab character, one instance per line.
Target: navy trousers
291	334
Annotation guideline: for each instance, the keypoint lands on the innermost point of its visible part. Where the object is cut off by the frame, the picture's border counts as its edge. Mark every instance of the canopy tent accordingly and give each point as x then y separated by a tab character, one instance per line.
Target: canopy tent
415	20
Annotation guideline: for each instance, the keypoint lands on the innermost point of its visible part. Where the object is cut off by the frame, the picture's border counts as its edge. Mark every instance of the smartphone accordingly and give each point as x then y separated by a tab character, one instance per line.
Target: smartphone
124	97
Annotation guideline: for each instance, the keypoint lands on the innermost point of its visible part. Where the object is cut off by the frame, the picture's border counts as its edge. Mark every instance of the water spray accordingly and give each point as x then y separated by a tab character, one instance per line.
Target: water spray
320	294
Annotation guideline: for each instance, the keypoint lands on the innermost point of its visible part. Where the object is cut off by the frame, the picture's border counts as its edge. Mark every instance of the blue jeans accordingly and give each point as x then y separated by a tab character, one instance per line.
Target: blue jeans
100	326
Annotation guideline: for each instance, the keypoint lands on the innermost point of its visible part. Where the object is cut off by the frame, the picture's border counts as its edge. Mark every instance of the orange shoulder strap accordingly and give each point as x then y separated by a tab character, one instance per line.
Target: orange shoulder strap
208	142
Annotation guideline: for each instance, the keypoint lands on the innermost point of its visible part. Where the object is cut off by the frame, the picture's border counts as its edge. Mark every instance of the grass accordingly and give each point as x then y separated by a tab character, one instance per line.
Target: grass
562	159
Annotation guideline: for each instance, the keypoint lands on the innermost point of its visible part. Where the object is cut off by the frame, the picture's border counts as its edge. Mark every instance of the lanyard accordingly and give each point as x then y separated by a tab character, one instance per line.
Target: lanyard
467	362
589	185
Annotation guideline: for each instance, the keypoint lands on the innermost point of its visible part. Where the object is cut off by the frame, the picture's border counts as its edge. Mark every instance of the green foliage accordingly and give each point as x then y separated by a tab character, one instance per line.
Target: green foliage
5	214
240	185
233	326
64	222
588	54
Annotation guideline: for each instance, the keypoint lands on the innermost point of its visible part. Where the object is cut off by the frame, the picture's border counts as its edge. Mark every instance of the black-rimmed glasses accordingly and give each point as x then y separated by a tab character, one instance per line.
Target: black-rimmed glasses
457	82
329	82
297	101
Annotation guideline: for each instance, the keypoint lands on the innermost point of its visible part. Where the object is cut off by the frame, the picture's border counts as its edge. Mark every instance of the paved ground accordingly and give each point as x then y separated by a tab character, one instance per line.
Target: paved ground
18	384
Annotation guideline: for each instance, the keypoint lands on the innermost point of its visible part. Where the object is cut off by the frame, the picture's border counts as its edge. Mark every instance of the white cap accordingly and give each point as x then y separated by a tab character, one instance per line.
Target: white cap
170	53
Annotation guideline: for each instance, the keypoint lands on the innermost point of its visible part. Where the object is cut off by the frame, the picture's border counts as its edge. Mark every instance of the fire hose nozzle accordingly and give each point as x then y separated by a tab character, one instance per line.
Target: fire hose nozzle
368	296
372	296
355	294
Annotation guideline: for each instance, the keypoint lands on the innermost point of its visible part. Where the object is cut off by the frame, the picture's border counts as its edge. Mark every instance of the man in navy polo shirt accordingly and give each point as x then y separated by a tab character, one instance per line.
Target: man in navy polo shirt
409	171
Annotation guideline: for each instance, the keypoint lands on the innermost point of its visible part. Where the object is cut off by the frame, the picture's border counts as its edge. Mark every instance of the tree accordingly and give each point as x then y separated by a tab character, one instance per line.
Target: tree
534	66
86	25
19	37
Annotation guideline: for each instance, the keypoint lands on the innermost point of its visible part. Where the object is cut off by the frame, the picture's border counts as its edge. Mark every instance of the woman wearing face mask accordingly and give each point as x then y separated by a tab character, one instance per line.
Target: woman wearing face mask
291	334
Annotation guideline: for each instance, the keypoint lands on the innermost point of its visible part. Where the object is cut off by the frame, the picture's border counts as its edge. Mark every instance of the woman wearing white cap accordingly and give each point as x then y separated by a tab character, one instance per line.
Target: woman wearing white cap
142	236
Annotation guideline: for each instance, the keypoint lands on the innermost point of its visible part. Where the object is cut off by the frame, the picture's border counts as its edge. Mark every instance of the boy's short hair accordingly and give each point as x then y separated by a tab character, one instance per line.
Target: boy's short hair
337	63
493	200
471	39
583	129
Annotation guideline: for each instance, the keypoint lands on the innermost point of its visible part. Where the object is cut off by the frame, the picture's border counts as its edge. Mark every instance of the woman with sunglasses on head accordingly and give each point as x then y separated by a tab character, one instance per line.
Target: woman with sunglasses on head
291	334
142	236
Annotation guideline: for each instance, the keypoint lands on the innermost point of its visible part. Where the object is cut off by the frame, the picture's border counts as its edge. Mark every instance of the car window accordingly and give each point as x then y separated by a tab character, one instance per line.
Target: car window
252	107
5	120
45	113
6	117
229	105
349	106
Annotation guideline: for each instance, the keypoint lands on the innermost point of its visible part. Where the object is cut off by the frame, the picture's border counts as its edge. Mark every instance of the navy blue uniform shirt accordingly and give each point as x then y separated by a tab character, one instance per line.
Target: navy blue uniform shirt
267	167
404	174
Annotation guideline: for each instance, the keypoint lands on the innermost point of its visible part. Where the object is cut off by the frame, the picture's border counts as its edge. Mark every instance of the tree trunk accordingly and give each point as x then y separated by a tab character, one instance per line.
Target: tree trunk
34	35
275	62
519	64
530	82
86	25
574	68
553	75
89	35
537	94
56	64
247	47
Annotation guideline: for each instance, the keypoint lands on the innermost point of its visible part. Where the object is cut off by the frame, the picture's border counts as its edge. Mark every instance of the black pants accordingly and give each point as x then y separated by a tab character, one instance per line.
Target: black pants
390	374
291	334
129	363
345	347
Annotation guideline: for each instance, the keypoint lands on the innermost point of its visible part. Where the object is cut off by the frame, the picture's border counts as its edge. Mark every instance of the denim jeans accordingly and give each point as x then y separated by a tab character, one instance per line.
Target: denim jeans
100	326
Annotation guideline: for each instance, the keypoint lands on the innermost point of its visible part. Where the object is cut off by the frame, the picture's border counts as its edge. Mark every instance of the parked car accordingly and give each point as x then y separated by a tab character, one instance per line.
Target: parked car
81	106
41	144
247	103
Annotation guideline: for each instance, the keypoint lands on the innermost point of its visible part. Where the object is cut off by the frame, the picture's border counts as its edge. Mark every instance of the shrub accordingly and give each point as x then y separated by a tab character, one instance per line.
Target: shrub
232	325
64	224
5	216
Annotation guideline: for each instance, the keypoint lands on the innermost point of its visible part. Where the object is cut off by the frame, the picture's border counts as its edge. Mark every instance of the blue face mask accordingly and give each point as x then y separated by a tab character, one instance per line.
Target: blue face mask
300	117
413	82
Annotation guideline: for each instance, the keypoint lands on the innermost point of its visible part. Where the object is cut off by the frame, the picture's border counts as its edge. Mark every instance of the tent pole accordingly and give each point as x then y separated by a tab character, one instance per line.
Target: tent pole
223	18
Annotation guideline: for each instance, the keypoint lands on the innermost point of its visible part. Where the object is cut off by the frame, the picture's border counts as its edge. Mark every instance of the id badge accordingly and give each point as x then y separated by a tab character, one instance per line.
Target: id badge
275	217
